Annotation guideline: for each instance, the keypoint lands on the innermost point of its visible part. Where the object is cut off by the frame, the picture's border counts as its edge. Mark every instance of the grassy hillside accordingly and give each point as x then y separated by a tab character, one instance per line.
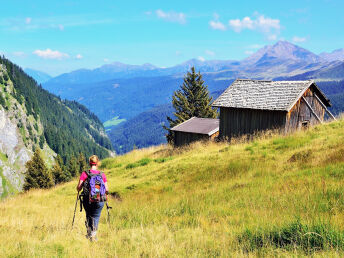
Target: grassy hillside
276	195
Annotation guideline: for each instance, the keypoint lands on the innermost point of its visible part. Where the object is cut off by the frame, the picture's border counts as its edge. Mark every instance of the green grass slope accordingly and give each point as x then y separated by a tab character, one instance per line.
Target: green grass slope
276	195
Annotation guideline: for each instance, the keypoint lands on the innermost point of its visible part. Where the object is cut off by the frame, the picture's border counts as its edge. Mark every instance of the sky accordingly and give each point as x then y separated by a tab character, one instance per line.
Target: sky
59	36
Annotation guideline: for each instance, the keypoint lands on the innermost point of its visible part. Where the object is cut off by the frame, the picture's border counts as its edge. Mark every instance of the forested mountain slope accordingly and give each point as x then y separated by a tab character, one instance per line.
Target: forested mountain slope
143	130
34	118
274	196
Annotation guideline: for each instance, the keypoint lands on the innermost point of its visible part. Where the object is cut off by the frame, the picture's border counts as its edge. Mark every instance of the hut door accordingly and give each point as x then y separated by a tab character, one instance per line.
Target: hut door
304	114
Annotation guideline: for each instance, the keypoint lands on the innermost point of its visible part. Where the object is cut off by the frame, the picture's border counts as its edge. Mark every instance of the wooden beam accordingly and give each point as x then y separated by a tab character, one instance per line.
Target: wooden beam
310	107
328	111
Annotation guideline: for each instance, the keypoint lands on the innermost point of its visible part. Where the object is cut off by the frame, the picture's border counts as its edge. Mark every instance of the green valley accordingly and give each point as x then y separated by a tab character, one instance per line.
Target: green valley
113	122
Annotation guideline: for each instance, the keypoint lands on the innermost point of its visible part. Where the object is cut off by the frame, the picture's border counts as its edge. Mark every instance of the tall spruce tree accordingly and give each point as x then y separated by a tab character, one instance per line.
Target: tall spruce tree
192	99
37	174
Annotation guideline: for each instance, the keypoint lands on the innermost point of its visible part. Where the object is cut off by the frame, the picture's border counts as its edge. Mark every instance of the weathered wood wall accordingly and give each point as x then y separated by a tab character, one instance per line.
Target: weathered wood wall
240	121
300	112
183	138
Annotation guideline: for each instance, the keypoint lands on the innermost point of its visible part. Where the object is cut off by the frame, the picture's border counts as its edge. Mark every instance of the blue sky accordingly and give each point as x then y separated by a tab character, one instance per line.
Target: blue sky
61	36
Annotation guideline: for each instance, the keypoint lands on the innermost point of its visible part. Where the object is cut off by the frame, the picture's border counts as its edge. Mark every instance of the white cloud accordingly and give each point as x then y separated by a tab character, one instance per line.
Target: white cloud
106	60
50	54
217	25
249	52
28	20
261	23
19	54
237	25
148	13
268	24
178	53
50	22
171	16
255	46
299	39
272	37
210	53
201	58
79	56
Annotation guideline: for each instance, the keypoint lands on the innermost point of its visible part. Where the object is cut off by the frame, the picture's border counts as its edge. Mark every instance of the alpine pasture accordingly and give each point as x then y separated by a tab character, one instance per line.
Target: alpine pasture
274	195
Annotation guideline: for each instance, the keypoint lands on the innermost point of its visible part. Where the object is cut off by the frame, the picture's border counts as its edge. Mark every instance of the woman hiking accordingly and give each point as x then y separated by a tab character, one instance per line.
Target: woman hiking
95	188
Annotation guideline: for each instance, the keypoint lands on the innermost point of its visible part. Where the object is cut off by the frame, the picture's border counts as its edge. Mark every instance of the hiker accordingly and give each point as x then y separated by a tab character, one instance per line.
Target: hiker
95	189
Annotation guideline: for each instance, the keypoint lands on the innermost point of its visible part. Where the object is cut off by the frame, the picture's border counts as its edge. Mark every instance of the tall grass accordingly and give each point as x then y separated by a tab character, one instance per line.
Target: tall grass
294	237
204	200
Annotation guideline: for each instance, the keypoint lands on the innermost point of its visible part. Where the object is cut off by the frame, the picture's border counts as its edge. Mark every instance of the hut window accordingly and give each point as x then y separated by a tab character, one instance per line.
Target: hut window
305	124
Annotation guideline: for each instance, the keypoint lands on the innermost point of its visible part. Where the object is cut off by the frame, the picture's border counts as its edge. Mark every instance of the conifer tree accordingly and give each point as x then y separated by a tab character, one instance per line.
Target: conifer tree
82	162
59	172
37	175
73	167
191	100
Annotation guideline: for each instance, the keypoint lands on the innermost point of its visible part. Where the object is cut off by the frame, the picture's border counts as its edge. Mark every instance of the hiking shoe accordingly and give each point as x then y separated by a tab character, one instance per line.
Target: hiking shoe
93	236
88	234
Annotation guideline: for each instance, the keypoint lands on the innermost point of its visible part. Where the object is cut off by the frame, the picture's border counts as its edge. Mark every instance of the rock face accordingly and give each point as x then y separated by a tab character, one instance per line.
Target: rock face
14	155
19	136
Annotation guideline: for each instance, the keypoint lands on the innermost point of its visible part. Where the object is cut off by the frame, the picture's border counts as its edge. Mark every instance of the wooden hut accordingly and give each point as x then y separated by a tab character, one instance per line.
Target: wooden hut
248	106
195	129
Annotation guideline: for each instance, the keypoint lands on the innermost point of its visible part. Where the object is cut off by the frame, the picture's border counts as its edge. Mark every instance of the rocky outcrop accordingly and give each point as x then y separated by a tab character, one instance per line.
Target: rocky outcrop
19	136
14	154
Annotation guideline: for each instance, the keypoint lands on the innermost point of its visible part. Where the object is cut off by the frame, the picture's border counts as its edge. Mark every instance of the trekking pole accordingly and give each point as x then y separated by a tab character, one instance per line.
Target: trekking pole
76	203
108	208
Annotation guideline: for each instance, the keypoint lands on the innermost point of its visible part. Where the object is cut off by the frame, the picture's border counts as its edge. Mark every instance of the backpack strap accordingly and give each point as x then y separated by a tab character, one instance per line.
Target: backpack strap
85	183
88	173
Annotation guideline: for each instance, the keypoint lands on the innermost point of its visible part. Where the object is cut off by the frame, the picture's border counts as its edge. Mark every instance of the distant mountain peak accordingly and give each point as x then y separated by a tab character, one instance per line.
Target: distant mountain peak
283	50
337	54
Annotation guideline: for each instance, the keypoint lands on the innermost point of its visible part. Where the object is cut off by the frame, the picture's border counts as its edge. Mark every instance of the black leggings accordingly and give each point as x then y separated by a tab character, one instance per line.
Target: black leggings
93	211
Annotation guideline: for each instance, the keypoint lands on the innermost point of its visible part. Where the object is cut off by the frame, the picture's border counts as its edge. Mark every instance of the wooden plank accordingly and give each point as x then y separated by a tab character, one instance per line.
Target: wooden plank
311	109
328	111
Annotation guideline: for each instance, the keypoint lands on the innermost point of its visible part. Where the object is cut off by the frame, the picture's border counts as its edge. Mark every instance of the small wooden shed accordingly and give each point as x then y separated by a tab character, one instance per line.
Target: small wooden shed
195	129
248	106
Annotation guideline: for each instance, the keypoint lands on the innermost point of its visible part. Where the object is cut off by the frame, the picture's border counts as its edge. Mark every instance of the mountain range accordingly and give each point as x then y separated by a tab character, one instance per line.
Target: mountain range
282	53
40	77
337	54
125	91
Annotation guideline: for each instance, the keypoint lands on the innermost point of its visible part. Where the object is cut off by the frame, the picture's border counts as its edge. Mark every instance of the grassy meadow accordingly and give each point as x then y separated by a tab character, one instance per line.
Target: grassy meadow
273	196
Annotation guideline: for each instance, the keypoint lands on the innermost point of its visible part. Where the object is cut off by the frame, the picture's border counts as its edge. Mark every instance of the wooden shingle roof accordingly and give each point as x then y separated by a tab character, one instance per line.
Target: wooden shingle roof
197	125
266	95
